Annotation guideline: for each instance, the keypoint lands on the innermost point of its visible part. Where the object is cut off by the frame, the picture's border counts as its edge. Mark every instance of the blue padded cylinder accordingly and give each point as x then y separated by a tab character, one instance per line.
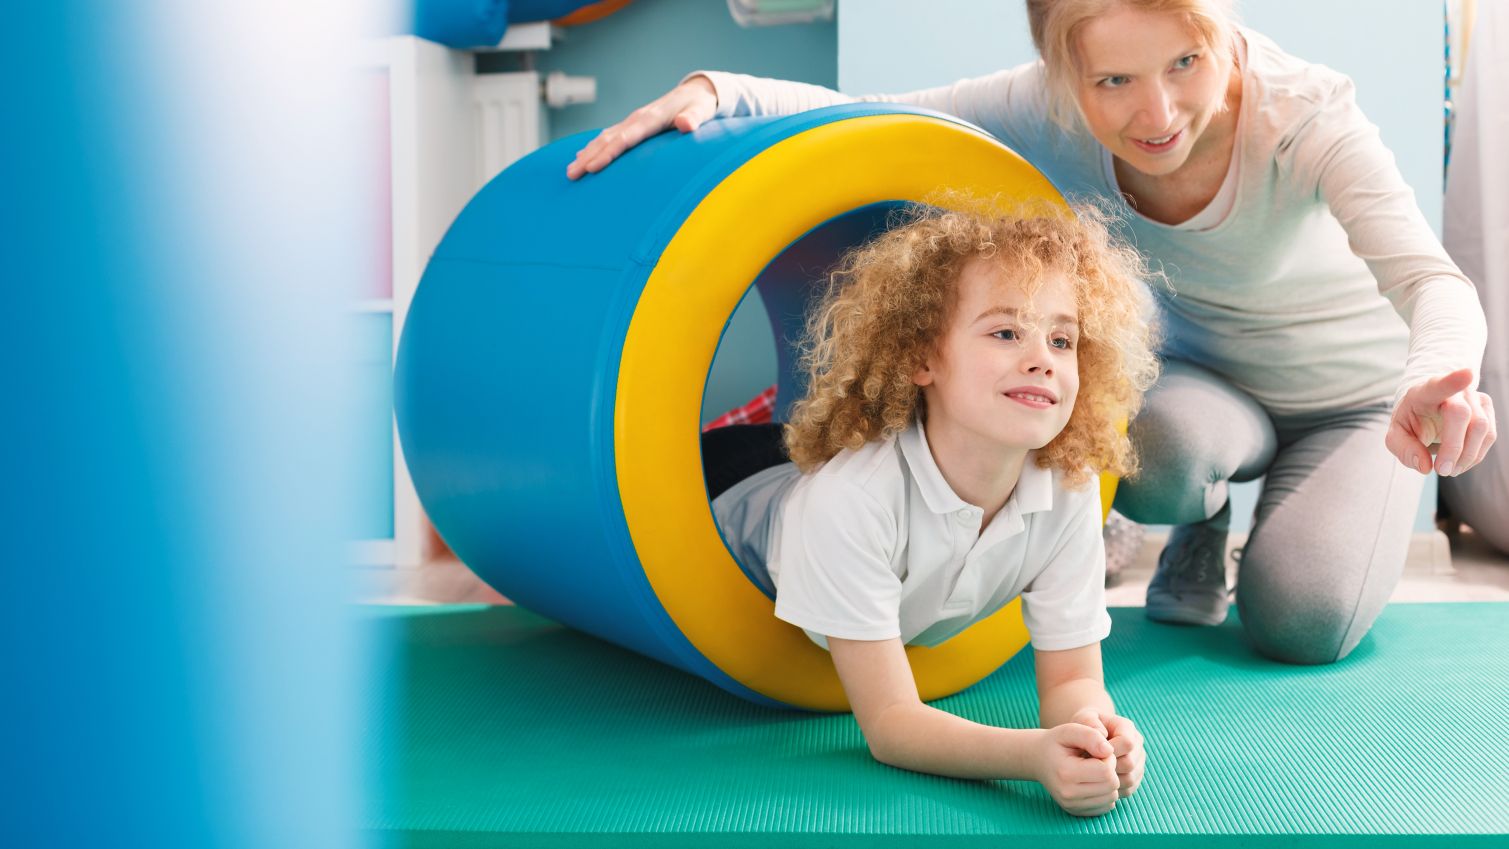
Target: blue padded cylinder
509	361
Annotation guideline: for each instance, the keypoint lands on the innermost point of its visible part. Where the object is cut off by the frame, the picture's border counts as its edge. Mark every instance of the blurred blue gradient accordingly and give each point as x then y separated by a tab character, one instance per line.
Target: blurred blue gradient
181	227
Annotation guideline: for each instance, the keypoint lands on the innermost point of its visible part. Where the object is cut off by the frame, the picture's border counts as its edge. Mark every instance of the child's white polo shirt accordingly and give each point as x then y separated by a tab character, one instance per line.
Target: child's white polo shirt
875	544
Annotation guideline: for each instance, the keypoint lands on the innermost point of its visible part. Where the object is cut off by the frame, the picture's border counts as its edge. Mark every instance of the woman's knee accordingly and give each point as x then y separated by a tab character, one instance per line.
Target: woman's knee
1195	434
1169	499
1183	475
1329	544
1319	634
1313	609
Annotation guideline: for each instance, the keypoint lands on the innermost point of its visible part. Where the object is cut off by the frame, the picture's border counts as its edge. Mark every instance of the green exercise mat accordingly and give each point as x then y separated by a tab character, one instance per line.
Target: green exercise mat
500	728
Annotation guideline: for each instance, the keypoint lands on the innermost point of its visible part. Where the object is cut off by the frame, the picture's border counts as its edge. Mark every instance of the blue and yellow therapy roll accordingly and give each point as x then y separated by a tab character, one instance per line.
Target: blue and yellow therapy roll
552	366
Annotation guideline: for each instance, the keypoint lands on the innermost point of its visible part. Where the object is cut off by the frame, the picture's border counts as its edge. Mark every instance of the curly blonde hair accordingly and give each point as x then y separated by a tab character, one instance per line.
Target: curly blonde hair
889	303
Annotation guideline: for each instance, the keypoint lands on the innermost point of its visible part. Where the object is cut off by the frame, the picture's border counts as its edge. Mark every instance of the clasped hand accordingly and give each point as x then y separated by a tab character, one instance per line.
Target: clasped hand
1092	760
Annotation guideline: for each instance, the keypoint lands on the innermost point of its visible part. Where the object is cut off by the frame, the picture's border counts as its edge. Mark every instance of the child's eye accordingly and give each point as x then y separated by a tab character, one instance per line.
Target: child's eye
1185	62
1115	82
1063	343
1005	335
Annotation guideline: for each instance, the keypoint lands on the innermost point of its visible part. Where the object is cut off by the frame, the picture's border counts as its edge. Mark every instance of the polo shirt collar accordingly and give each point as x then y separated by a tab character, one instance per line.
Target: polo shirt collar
1033	492
1034	489
940	497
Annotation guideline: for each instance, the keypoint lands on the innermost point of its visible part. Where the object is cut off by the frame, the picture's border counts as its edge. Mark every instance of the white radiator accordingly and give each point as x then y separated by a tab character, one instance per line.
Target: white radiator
508	118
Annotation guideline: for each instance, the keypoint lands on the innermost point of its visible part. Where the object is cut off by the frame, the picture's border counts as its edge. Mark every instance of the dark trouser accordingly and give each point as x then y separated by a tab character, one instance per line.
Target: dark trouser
731	454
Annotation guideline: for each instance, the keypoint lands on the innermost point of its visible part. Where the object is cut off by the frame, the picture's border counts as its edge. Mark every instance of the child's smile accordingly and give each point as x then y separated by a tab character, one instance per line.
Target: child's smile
1037	399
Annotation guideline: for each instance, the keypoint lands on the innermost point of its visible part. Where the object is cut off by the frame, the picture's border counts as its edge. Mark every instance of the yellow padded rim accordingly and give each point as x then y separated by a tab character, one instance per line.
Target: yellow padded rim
724	244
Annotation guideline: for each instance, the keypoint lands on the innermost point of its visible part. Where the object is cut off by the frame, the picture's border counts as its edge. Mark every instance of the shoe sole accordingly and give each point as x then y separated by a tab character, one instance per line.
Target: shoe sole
1185	616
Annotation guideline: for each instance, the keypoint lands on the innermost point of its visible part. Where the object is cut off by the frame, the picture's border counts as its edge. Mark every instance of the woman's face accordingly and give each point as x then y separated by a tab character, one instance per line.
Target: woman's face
1148	86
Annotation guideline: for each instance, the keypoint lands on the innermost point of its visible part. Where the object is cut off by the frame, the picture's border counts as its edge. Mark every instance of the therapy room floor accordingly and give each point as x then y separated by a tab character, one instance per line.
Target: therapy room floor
1465	569
502	729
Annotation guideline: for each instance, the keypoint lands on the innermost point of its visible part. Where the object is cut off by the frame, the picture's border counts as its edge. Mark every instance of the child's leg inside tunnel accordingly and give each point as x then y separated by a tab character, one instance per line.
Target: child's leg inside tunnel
731	454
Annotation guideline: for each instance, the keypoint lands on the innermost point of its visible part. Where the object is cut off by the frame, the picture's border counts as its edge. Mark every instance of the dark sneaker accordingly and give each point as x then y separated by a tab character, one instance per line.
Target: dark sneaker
1189	587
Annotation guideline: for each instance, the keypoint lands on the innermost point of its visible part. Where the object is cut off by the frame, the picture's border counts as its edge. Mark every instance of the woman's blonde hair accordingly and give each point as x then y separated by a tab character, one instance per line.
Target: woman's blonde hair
889	303
1056	24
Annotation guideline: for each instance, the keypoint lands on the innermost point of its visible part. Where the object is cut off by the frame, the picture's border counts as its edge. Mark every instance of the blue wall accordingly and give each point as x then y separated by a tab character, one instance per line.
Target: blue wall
900	45
640	52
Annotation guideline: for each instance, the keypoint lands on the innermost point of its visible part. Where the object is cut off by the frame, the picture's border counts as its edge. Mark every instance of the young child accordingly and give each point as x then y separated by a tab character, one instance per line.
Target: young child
967	372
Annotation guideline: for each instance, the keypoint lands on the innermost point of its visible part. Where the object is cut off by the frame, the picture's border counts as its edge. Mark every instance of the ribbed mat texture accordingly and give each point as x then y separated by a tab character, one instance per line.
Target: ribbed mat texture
500	728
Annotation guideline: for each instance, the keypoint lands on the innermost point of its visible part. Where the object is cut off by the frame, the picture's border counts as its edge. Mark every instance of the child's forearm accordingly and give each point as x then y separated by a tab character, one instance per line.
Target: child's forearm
1058	705
925	739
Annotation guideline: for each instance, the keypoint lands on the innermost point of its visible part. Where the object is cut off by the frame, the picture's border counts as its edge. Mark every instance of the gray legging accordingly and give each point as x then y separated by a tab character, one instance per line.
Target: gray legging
1332	528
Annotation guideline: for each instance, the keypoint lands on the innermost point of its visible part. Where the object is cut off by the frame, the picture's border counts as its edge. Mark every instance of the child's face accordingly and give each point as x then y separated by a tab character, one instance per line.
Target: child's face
1005	374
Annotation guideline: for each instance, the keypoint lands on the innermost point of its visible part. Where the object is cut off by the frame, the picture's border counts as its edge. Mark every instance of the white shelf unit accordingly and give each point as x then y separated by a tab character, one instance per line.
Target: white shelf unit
451	130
